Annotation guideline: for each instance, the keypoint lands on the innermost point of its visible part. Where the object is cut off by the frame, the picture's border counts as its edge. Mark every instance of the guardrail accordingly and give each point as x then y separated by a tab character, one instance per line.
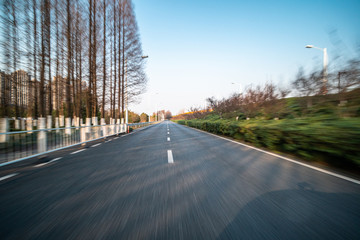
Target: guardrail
21	145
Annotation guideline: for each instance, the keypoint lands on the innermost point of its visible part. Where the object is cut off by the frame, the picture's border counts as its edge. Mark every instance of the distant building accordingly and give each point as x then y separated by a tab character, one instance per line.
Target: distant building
20	88
20	91
4	89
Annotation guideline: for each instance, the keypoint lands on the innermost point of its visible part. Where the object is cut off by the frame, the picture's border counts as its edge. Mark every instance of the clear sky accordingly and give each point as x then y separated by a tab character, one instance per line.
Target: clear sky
197	48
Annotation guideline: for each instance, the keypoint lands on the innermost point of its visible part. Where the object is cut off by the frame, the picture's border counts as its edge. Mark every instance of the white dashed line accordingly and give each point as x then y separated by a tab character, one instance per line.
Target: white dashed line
78	151
116	138
170	157
168	132
55	159
41	164
168	139
8	176
96	145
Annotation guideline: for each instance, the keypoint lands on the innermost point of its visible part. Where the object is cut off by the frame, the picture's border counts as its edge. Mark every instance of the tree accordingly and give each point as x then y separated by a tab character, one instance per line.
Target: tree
168	115
69	47
348	77
69	59
144	117
133	117
308	86
135	83
104	60
6	47
115	57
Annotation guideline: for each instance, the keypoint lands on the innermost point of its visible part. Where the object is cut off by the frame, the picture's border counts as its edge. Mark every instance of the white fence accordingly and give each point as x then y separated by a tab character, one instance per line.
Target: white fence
17	146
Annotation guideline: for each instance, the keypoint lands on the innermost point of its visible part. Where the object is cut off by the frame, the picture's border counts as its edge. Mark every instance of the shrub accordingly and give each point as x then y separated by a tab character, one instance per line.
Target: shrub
335	141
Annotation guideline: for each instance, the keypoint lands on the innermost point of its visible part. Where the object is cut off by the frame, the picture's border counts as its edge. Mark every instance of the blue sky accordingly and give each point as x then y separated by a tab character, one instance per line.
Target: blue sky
197	48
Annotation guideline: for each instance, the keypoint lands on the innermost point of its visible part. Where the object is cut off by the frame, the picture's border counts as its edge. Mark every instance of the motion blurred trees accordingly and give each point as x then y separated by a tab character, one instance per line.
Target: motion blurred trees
347	78
168	115
261	100
308	85
77	53
144	117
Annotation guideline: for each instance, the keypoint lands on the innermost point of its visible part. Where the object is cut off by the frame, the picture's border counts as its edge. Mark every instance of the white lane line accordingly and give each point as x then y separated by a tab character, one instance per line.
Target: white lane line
78	151
55	159
108	140
168	132
8	176
168	139
96	145
287	159
170	157
116	138
41	164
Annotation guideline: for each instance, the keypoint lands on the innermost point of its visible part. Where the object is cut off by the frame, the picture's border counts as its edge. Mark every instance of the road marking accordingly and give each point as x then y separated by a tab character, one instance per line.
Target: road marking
8	176
41	164
170	157
116	138
96	145
109	140
55	159
168	132
168	139
78	151
287	159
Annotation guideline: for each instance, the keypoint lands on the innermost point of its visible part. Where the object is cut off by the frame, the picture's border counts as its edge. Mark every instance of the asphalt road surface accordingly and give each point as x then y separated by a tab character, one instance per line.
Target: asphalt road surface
172	182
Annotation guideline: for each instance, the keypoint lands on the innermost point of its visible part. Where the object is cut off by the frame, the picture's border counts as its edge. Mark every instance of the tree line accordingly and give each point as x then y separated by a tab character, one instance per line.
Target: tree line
84	57
308	97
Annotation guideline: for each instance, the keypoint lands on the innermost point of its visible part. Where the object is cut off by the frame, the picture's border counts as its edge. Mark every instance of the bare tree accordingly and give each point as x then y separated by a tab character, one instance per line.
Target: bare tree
55	41
69	58
115	57
120	42
308	86
6	47
104	59
94	59
348	77
47	32
136	82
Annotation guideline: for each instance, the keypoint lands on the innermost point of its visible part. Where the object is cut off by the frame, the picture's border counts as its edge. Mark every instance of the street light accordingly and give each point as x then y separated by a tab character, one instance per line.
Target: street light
325	63
126	91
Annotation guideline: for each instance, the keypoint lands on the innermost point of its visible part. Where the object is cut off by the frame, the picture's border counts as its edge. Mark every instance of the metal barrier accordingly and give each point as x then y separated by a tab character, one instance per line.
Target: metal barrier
139	125
18	146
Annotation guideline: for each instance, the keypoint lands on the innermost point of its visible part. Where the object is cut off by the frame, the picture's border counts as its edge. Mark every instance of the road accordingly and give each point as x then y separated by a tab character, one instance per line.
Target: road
172	182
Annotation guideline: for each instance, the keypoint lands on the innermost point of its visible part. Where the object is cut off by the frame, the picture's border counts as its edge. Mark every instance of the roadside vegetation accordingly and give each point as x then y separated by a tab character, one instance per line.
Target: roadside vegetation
322	123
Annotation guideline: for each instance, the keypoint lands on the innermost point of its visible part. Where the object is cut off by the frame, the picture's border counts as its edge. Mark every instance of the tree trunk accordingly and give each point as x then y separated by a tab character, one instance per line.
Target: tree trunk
69	57
104	63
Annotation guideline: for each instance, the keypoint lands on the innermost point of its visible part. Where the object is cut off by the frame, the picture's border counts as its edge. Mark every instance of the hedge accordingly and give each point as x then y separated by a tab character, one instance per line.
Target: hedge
335	141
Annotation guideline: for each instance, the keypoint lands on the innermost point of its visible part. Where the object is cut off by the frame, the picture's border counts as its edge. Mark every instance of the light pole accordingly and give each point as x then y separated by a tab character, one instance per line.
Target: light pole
126	91
325	63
